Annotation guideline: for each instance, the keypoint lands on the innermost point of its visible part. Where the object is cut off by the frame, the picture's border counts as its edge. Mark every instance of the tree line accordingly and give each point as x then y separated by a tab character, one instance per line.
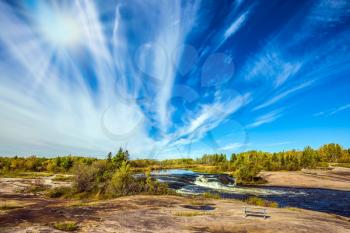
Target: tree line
244	166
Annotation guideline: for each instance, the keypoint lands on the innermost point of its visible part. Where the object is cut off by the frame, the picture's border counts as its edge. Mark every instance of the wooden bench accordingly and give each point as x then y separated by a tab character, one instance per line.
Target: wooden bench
255	211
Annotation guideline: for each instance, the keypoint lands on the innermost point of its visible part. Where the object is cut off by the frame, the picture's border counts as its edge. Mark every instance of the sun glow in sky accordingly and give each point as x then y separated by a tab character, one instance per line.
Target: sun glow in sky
59	28
173	78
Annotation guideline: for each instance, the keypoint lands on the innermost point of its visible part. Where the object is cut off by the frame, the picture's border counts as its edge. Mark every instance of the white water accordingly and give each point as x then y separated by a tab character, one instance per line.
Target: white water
213	183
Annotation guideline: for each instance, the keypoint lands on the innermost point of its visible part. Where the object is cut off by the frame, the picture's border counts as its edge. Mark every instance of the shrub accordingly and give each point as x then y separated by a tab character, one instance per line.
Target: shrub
261	202
59	192
122	182
66	226
84	178
246	173
211	195
152	186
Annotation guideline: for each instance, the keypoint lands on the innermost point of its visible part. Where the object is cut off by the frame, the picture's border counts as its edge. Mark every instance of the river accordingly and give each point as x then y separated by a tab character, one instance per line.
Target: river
194	183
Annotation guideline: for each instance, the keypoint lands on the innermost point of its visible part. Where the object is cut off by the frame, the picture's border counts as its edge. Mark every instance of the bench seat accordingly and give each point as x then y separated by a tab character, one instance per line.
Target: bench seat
255	211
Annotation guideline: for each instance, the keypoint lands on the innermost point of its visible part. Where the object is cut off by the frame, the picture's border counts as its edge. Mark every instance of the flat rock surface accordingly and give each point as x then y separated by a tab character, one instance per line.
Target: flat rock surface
144	213
337	178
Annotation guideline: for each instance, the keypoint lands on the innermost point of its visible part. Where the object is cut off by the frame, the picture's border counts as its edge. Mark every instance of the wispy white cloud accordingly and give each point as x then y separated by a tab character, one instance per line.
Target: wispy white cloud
279	66
67	116
329	11
267	118
233	146
271	66
282	95
49	108
48	104
333	111
236	25
209	117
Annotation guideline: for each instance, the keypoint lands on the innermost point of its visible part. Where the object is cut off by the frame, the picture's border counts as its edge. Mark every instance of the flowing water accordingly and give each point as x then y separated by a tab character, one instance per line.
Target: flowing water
194	183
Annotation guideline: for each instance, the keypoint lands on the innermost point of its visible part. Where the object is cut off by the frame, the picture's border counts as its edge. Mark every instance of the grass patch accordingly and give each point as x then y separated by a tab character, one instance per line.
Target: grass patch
84	203
22	174
65	178
199	202
347	165
35	187
191	213
66	226
211	169
9	205
59	192
211	195
292	208
261	202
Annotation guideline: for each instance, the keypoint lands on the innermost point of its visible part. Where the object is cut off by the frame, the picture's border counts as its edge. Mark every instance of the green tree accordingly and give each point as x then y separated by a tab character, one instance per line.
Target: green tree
122	181
233	158
330	152
308	158
67	163
109	157
120	157
246	173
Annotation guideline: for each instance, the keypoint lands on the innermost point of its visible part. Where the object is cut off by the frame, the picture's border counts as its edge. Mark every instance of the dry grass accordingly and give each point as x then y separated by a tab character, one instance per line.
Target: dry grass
227	229
82	203
28	175
200	202
346	165
191	213
261	202
66	226
64	178
36	187
9	205
211	195
292	208
59	192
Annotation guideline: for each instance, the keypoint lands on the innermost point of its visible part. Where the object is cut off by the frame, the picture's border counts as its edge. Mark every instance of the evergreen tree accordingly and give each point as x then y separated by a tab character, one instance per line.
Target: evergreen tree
120	157
109	157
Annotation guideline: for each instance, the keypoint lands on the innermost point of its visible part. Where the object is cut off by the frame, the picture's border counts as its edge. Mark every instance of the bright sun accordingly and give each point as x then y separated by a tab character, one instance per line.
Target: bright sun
59	28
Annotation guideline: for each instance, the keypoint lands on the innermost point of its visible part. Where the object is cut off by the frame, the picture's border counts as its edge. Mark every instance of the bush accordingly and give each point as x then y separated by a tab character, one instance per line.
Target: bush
122	182
246	174
84	179
59	192
152	186
66	226
261	202
211	195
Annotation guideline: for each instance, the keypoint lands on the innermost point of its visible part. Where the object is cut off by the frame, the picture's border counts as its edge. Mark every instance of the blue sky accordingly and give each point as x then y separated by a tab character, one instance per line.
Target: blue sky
173	79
